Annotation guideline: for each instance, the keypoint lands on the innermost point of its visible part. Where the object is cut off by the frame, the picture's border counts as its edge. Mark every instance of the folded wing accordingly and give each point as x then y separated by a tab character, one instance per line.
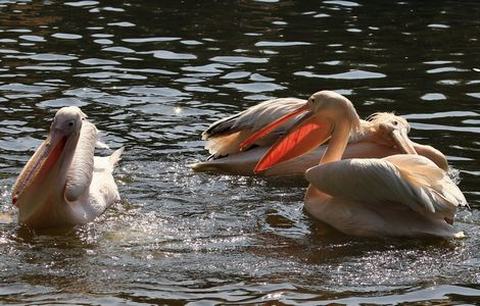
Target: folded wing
224	136
410	180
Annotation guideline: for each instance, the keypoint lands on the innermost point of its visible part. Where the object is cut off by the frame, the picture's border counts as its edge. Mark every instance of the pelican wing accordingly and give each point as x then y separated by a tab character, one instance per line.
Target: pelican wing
80	173
224	136
253	118
410	180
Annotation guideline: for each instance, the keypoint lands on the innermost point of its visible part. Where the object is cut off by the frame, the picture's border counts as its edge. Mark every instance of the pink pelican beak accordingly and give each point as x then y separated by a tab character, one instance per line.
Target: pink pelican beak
403	143
40	164
307	134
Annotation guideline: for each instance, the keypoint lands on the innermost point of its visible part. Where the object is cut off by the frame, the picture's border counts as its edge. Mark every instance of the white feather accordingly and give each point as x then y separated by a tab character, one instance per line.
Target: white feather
224	136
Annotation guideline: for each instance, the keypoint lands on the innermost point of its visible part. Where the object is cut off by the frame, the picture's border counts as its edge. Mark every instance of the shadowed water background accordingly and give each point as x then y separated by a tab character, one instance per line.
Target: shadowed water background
152	75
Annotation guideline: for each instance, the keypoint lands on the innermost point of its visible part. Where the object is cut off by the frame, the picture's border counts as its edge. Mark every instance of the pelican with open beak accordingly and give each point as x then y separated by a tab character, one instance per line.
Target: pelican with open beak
379	136
63	184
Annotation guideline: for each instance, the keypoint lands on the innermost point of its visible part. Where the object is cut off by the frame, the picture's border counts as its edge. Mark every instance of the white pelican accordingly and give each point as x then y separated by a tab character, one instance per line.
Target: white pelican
379	136
399	195
63	184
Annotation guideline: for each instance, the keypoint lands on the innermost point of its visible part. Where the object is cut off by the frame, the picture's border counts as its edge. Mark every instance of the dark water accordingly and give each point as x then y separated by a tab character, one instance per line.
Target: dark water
152	75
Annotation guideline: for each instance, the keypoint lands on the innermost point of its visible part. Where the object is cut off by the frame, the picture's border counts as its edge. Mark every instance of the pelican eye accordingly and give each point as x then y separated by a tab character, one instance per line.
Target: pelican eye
395	123
70	123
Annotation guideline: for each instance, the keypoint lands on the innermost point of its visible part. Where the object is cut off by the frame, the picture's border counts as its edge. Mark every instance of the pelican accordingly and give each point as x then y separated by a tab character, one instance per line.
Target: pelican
378	136
399	195
63	183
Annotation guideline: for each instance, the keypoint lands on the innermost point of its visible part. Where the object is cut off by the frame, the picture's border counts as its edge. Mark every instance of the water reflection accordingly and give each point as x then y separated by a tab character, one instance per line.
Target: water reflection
152	77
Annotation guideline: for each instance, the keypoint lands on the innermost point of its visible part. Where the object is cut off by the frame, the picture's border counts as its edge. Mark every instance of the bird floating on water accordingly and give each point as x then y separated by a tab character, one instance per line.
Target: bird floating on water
399	195
379	136
63	183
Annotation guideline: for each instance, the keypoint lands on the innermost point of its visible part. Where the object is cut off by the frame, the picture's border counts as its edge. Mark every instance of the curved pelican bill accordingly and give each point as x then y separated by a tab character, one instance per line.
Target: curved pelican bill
306	135
403	143
40	163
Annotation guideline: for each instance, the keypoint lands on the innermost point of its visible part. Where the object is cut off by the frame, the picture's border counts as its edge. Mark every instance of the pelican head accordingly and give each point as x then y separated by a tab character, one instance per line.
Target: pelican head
331	105
63	136
389	121
391	130
67	121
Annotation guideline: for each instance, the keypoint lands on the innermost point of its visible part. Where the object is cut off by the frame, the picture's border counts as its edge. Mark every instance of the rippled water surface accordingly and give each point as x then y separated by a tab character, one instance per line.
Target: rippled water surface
153	74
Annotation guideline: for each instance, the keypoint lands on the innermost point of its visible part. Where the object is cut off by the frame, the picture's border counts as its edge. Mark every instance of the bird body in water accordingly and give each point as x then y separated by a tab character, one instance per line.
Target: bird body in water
63	183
